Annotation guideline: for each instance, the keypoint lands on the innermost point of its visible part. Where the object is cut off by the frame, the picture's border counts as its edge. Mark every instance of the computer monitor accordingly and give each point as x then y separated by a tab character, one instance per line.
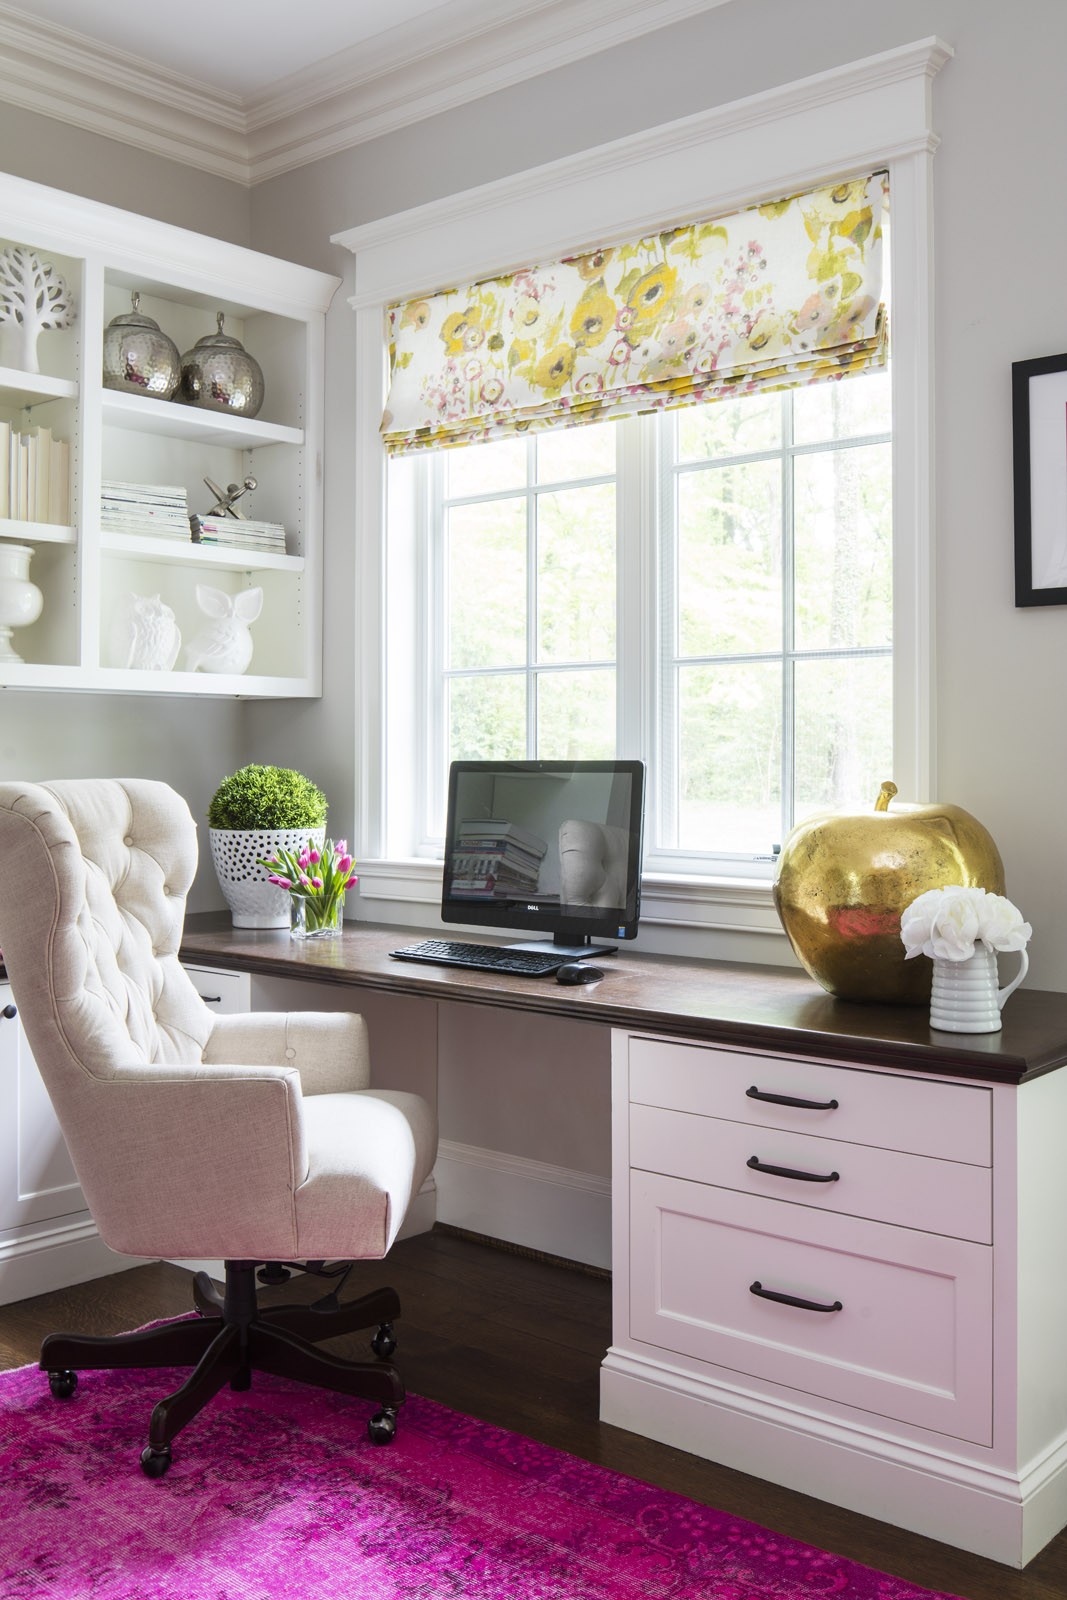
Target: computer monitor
546	846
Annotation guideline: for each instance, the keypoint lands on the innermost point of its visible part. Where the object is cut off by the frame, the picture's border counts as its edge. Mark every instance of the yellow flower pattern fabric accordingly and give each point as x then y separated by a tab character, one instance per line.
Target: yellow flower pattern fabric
775	296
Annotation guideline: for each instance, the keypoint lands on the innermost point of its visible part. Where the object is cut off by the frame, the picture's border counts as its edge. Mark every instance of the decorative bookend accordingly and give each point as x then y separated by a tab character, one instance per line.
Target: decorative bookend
32	296
145	635
225	643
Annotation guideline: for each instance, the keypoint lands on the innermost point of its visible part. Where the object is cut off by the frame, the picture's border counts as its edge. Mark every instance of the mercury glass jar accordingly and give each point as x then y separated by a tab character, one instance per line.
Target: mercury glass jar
219	375
139	357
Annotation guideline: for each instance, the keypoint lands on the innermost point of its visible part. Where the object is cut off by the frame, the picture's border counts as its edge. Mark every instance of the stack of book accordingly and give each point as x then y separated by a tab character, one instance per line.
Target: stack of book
156	509
34	475
242	533
493	858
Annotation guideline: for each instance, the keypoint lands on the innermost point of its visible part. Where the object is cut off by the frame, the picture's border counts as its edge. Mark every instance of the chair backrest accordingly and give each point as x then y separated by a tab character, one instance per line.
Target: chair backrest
593	859
94	876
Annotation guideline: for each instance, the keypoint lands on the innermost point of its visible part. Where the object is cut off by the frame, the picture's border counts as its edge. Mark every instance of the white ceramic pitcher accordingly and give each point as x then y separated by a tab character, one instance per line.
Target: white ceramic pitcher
965	997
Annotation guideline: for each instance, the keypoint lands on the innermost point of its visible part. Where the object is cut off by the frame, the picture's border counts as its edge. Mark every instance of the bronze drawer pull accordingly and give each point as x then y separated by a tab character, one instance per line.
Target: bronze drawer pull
791	1100
791	1299
791	1172
211	999
9	1012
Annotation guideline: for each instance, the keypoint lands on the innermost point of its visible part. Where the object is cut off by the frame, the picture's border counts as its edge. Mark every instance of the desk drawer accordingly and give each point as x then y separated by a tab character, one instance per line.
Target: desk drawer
948	1120
886	1185
222	991
911	1339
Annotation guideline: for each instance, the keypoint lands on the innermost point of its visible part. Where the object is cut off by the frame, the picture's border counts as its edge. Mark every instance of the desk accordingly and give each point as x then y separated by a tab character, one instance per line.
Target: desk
882	1372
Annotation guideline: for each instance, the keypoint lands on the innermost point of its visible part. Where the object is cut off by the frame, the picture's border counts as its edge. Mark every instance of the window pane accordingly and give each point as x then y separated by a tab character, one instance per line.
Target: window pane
844	732
575	716
486	575
487	718
844	547
843	410
485	468
582	452
730	559
730	427
730	738
576	575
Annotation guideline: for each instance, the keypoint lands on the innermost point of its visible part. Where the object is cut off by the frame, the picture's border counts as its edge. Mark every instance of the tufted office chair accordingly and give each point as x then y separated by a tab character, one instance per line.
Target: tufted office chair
252	1138
593	858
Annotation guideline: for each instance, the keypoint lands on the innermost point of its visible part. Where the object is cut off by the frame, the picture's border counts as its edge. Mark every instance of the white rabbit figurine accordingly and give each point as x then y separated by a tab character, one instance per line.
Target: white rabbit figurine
225	644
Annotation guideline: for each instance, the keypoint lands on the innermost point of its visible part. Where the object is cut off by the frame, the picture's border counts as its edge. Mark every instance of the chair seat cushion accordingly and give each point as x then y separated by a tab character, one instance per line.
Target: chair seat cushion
369	1152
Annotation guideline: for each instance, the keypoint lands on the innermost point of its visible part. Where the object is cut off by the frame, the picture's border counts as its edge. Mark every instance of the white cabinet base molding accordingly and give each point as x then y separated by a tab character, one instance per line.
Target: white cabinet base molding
804	1261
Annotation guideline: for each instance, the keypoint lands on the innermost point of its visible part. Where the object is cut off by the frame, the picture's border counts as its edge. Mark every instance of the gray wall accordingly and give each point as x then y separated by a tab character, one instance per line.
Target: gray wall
1000	239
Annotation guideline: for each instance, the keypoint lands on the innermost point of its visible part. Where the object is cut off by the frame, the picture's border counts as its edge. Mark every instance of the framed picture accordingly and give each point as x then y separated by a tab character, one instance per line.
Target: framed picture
1039	427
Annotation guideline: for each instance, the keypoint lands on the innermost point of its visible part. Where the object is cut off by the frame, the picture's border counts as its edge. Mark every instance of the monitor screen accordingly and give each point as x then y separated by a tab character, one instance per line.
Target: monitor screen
548	846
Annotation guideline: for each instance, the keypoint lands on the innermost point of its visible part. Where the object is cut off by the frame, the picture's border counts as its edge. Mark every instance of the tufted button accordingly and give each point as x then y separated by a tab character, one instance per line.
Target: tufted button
167	889
290	1052
128	842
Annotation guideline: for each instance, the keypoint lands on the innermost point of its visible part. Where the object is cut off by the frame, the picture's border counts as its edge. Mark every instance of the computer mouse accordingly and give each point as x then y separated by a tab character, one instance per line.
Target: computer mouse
578	972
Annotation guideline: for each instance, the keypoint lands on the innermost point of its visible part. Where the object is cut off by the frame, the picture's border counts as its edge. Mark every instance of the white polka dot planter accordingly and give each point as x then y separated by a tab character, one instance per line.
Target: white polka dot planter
236	852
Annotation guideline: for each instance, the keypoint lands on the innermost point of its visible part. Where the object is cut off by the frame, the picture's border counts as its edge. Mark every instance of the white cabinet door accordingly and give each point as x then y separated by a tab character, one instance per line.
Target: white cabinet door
37	1178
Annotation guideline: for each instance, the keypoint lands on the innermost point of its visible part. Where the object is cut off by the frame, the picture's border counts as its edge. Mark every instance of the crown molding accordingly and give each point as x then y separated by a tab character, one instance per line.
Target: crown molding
400	77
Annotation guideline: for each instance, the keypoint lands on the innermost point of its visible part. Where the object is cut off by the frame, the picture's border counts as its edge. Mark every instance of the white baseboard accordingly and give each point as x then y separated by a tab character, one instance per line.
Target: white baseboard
959	1500
532	1203
54	1255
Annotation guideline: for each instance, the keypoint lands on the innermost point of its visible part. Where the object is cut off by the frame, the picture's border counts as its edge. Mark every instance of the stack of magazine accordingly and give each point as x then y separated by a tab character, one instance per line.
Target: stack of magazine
156	509
495	859
242	533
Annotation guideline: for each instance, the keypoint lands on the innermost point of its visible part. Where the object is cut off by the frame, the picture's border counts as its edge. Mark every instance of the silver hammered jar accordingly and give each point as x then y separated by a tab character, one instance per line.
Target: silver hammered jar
139	357
218	374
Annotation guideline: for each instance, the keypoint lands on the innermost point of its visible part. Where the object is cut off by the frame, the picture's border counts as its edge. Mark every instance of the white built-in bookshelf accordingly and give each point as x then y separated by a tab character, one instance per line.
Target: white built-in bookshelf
93	435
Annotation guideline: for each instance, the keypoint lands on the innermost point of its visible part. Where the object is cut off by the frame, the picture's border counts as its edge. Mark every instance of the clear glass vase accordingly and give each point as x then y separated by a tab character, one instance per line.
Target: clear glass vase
315	919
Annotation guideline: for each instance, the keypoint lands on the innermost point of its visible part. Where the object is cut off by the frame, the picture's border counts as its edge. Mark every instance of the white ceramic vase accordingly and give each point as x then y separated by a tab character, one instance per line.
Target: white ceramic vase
236	852
965	997
20	600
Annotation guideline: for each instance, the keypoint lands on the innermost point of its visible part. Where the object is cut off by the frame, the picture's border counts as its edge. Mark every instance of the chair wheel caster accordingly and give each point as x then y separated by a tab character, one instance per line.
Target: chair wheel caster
384	1342
63	1384
155	1460
381	1429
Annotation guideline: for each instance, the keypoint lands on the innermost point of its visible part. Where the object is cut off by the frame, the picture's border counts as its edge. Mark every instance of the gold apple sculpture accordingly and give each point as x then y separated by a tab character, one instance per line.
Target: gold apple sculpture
844	878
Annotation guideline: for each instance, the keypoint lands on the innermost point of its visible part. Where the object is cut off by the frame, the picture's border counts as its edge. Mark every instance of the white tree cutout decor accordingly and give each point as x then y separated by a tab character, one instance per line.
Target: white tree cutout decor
33	296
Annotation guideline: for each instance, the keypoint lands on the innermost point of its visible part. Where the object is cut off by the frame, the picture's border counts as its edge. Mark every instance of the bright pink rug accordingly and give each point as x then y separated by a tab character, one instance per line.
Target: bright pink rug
278	1493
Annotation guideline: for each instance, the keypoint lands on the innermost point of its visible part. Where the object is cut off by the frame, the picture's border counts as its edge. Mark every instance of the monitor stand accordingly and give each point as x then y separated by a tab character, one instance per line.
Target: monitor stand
563	947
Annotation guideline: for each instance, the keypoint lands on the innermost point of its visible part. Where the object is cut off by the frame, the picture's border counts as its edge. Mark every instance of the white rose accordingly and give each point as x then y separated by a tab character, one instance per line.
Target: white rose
917	924
956	924
1001	925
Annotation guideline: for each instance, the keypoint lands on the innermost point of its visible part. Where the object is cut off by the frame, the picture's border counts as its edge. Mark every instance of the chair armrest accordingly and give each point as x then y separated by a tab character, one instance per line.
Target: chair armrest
328	1048
193	1160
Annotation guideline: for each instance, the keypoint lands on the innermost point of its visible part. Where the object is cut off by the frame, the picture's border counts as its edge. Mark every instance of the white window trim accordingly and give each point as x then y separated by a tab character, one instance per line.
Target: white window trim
871	113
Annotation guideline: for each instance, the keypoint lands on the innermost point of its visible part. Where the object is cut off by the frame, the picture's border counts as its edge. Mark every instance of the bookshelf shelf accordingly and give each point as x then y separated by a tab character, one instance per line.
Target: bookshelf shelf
23	389
37	532
172	552
174	421
169	456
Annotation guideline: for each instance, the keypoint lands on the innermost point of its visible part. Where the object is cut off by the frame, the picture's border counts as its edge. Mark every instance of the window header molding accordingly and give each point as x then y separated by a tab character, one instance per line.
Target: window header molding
833	124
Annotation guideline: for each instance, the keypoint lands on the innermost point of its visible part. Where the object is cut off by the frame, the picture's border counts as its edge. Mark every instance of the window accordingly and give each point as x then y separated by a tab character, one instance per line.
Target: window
769	674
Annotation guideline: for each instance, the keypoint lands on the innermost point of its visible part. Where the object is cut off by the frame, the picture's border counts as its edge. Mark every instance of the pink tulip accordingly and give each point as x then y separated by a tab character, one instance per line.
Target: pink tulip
341	847
304	879
282	883
304	859
316	883
345	864
353	879
315	858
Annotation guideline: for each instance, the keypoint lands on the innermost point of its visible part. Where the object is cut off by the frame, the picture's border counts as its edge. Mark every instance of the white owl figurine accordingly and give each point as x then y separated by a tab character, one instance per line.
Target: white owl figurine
144	635
225	643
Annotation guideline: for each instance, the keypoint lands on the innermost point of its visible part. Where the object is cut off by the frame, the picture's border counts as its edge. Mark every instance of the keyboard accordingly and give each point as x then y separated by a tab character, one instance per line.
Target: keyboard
482	957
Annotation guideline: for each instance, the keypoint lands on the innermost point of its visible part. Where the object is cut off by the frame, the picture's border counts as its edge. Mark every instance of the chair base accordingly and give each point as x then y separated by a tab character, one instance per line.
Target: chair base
229	1340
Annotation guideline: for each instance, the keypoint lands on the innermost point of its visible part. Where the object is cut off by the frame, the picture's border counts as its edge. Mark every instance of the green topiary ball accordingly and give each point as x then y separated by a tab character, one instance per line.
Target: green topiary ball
267	797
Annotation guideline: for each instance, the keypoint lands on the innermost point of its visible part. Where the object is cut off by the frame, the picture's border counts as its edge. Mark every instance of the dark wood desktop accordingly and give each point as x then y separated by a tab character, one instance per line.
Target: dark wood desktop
758	1007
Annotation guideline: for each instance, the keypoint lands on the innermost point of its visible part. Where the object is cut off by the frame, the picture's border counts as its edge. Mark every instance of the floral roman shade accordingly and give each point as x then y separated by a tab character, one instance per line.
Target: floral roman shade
775	296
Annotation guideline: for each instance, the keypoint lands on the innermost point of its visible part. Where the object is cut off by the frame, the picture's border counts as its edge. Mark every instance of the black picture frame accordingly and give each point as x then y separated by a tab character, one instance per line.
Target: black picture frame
1039	433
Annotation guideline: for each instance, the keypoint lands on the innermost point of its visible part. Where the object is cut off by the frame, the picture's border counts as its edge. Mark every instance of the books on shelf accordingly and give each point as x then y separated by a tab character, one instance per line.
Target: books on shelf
34	475
158	510
242	533
493	858
472	829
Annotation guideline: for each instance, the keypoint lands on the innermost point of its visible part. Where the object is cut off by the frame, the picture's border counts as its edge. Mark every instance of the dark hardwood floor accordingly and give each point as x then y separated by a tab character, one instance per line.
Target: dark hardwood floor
517	1341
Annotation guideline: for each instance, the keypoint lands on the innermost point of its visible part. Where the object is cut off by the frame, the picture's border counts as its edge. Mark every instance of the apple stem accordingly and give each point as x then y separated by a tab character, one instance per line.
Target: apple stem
885	794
